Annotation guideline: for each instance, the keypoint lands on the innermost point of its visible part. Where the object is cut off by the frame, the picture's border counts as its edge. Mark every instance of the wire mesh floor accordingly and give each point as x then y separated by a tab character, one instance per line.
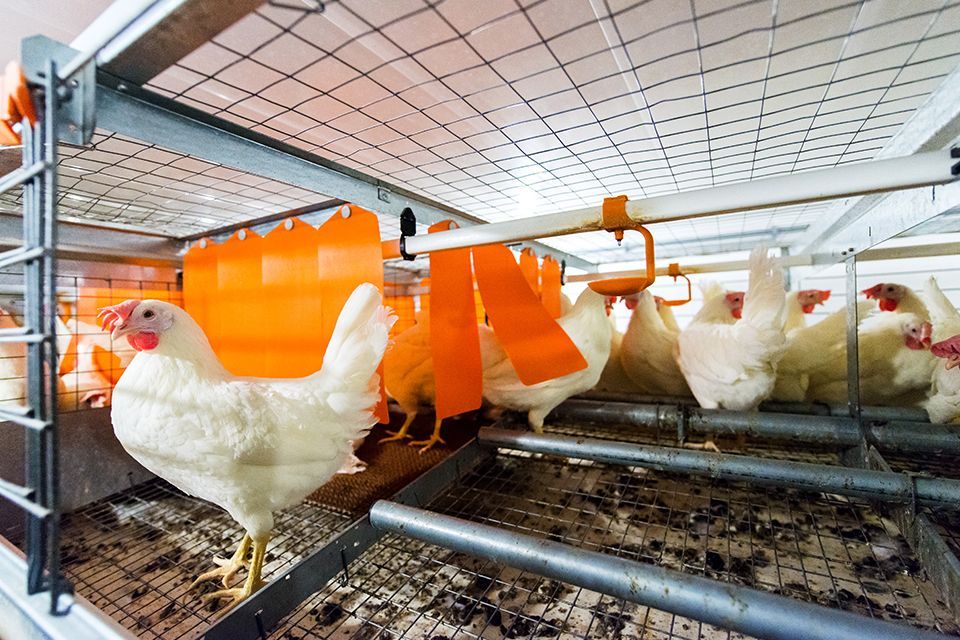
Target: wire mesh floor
135	553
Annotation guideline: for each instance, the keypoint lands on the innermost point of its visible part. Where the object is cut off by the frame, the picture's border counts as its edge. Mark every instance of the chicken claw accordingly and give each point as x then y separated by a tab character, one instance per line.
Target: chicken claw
236	595
226	569
432	440
402	433
707	445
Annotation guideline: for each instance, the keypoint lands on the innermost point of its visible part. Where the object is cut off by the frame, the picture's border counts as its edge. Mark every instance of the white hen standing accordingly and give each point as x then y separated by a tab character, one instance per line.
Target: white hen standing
943	404
13	367
648	348
734	366
249	445
587	326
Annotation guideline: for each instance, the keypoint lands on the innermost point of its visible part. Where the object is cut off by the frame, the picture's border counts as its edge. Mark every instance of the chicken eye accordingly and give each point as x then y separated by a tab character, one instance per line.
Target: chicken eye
148	314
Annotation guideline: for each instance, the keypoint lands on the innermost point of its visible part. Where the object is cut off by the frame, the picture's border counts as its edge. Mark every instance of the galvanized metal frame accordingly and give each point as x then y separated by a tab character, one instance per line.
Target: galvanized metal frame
821	430
40	495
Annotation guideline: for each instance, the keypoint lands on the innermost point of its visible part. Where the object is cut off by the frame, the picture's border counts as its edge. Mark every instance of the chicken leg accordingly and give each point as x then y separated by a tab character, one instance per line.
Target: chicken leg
253	582
227	569
402	433
432	440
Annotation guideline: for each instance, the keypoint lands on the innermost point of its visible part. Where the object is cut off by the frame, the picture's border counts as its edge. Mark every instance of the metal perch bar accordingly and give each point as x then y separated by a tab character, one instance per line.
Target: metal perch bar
730	606
811	429
878	485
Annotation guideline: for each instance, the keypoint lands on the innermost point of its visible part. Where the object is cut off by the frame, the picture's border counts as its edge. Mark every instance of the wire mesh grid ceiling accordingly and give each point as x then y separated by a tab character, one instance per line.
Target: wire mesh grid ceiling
512	108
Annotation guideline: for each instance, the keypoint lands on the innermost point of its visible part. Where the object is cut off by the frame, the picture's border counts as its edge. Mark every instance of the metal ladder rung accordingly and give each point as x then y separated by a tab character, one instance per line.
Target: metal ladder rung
19	415
15	256
20	496
21	175
28	338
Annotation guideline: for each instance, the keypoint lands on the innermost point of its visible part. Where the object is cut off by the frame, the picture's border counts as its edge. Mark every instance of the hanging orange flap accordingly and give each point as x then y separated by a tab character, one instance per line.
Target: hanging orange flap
404	308
550	287
239	310
538	347
530	269
199	281
291	294
454	340
348	255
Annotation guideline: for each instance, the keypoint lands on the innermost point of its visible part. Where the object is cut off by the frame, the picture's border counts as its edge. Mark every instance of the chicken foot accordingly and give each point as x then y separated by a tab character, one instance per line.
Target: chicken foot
227	569
253	582
432	440
402	433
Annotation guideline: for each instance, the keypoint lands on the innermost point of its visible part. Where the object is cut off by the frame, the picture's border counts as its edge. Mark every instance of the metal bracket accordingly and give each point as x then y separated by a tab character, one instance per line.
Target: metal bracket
408	228
955	153
75	114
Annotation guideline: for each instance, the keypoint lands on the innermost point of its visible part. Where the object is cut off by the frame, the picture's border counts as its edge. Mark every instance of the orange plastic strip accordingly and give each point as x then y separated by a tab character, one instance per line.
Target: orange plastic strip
454	340
199	280
348	254
538	347
550	286
239	313
530	269
425	297
292	299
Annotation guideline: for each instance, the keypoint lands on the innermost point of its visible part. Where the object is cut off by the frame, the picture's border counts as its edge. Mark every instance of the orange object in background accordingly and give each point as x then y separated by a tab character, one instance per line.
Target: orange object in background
291	295
454	341
16	104
530	269
425	297
550	285
406	313
199	283
239	319
538	347
348	254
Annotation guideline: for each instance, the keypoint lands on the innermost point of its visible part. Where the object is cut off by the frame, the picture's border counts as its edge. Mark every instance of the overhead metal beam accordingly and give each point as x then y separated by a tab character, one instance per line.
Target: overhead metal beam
138	39
804	260
858	223
85	241
756	613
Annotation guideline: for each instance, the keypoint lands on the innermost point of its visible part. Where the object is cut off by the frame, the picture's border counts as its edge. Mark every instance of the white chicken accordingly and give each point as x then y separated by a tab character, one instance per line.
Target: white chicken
665	312
613	378
84	385
897	297
408	378
587	326
943	405
648	348
735	366
799	304
249	445
13	366
894	363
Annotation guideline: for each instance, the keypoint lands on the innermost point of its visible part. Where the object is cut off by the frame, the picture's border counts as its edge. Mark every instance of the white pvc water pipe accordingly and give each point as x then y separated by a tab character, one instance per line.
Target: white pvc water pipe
922	169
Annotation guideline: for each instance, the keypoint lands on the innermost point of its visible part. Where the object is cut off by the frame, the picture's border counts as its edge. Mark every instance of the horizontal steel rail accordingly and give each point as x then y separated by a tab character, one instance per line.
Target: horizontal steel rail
905	414
810	429
731	606
16	256
22	497
21	175
878	485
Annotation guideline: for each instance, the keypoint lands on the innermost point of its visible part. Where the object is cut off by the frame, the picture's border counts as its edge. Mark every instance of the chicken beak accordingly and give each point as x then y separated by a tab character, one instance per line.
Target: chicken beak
953	362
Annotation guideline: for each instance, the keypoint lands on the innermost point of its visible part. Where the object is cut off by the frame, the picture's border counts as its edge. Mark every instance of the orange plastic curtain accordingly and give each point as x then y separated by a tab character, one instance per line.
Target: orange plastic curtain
530	269
454	340
538	347
239	323
550	287
270	304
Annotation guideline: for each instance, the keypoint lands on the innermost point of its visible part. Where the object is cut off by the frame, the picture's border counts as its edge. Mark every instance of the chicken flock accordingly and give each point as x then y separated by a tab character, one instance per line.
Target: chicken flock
256	445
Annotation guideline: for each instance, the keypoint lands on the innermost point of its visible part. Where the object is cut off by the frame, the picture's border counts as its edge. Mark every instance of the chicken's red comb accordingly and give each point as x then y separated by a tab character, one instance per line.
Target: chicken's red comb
947	348
873	292
116	314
